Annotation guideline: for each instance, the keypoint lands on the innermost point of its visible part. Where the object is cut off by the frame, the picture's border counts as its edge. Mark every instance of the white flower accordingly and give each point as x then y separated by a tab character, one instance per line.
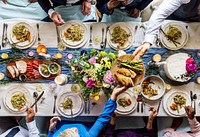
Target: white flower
85	78
105	85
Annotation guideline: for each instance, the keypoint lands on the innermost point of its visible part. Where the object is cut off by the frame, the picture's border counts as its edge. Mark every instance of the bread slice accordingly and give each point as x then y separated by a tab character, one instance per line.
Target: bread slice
16	71
11	71
21	66
126	81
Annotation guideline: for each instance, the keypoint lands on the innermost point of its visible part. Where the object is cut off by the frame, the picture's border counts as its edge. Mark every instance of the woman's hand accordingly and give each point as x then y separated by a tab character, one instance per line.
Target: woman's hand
53	123
86	8
57	19
141	50
190	112
118	90
134	13
30	115
112	4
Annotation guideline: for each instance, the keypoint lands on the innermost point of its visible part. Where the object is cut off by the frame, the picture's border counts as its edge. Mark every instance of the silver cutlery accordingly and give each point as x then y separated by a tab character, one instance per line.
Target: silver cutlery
90	42
102	42
139	105
35	96
37	99
38	28
105	43
85	106
71	111
2	39
54	105
159	104
191	97
194	99
88	106
5	39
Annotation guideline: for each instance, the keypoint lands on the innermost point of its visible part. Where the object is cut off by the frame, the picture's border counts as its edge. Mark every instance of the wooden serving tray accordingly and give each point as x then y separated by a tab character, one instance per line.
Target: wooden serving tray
46	62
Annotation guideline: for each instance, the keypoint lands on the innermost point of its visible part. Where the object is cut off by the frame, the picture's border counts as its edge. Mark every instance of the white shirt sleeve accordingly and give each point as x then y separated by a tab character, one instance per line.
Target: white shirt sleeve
33	131
166	8
50	12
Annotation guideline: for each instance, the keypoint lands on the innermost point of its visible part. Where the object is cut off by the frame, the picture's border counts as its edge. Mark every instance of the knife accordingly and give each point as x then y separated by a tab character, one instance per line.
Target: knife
37	99
191	97
159	105
3	33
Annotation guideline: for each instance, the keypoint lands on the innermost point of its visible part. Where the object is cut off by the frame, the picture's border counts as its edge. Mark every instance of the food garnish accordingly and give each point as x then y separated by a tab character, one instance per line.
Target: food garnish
21	32
124	102
147	88
67	103
179	101
119	36
18	100
74	33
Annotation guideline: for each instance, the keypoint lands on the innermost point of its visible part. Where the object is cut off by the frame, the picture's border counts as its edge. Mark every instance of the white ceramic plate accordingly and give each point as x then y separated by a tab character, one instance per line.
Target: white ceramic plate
25	44
170	100
128	29
175	67
12	91
78	104
156	83
129	109
169	44
70	43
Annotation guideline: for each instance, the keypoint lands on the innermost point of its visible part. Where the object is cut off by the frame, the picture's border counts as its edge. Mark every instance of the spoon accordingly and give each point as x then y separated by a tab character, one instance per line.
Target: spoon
35	96
194	99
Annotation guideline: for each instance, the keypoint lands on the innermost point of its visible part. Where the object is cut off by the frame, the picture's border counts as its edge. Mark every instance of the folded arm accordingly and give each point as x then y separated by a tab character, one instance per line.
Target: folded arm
33	131
194	125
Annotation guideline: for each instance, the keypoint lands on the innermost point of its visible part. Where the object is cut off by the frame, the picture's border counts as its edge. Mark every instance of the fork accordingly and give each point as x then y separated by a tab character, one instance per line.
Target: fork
102	42
5	39
39	40
90	42
54	106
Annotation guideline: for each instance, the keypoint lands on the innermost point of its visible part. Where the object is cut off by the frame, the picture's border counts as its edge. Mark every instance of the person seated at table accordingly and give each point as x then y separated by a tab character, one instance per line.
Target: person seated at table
121	10
26	9
10	127
76	130
147	131
63	10
182	10
194	126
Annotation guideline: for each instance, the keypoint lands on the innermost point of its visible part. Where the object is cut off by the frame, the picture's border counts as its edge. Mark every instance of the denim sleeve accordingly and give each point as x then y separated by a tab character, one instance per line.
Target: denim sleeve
103	119
143	4
102	7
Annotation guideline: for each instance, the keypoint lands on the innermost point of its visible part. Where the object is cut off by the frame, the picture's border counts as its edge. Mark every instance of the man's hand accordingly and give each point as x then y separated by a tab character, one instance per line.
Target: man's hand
112	4
190	112
30	115
32	1
53	123
153	114
57	19
118	90
86	7
141	50
134	13
5	1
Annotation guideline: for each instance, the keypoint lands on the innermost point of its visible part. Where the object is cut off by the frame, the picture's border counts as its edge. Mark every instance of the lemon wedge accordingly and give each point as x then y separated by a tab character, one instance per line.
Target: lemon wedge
4	55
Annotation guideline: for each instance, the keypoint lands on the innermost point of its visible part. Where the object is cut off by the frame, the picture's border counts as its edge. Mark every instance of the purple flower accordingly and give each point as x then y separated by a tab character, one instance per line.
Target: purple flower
92	60
108	78
191	68
90	83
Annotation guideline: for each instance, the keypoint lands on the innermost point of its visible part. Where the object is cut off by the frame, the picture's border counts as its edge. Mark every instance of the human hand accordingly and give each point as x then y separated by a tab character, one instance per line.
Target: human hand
190	112
112	4
153	114
141	50
30	115
57	19
134	13
118	90
32	1
86	7
5	1
112	120
53	123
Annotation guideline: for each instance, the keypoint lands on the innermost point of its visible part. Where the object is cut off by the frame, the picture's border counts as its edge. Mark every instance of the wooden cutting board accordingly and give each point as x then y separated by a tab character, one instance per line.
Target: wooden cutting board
115	67
47	62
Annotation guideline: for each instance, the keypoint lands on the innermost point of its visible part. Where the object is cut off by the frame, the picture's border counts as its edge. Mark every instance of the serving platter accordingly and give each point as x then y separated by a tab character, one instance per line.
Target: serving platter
127	29
182	40
32	69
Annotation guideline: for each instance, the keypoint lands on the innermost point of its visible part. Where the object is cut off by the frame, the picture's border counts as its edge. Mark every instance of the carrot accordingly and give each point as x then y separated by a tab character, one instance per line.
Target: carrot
28	36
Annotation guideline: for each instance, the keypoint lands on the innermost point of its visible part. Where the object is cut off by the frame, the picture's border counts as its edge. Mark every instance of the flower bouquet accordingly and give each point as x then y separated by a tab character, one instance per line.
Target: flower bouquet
92	72
191	67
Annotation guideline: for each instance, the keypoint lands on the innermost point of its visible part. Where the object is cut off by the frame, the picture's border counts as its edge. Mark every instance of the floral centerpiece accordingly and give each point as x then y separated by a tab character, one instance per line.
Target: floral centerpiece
92	72
191	67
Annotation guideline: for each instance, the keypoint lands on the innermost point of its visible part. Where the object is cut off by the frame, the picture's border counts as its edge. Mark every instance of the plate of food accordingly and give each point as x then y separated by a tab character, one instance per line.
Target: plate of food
128	70
173	35
70	104
153	87
120	36
126	103
21	34
74	33
174	103
17	99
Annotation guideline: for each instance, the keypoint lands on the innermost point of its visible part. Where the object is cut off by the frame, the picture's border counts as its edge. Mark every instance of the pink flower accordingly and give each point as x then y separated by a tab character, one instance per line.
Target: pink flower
92	60
190	61
90	83
191	68
108	78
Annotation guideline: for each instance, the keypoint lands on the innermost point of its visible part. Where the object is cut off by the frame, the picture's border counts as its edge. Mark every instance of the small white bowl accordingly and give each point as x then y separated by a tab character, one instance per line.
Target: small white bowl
40	71
158	84
49	69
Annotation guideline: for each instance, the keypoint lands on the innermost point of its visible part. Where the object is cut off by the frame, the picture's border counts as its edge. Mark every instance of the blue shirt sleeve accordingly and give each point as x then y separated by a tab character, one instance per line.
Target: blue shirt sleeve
50	133
103	119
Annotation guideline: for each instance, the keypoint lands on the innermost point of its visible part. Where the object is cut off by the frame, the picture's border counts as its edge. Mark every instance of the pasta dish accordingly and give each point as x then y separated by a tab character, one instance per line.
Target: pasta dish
179	100
124	102
147	88
67	103
119	36
21	33
174	33
74	33
18	100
